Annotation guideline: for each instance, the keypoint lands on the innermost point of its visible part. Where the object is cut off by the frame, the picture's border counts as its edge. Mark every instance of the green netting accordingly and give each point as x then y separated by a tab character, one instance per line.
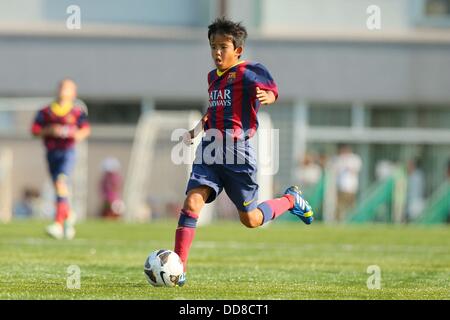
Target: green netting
379	196
437	208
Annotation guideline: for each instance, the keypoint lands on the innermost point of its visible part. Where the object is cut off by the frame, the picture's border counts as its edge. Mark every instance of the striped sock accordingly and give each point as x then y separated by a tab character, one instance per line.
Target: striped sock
274	208
184	235
62	210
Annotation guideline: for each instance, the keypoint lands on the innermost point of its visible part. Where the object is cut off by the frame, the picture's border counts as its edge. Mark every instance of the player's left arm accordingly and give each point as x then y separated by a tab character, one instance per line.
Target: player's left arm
266	90
266	97
82	133
83	128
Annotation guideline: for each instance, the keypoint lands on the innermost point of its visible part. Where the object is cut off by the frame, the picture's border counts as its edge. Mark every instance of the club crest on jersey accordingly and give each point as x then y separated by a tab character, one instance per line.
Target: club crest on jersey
231	77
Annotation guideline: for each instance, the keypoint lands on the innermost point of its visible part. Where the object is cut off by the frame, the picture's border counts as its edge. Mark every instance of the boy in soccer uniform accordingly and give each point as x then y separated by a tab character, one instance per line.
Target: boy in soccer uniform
61	125
236	90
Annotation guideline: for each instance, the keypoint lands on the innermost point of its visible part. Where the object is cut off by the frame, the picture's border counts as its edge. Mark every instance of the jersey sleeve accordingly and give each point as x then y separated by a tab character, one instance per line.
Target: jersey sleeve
206	122
260	77
82	121
38	123
209	77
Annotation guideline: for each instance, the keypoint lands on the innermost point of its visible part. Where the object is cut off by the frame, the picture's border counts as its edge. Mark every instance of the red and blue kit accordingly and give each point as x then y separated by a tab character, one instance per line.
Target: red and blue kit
60	150
232	98
232	115
232	112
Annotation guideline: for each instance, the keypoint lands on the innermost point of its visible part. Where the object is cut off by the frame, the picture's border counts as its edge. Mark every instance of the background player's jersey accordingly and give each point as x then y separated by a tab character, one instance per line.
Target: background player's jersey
232	97
75	118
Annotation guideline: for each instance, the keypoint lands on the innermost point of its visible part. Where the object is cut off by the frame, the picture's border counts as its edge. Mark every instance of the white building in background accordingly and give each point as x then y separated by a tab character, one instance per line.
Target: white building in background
385	91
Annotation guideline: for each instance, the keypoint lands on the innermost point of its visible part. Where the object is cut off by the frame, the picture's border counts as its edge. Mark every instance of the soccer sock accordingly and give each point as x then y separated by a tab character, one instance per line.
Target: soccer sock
184	234
274	208
62	210
62	198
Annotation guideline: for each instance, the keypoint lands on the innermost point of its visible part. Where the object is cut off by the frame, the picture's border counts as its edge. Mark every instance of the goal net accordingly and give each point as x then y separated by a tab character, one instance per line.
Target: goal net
157	176
6	162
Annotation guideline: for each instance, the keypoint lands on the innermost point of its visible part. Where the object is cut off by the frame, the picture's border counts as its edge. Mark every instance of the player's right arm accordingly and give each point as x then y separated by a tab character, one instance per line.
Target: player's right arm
48	131
191	134
41	129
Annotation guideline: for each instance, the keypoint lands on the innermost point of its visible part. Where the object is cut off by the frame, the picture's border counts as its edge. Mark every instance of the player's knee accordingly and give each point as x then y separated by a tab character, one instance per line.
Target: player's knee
194	203
61	186
249	220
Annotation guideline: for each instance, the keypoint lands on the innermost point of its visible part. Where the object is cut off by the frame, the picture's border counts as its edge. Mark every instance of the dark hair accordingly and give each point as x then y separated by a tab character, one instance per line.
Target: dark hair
342	146
417	162
226	27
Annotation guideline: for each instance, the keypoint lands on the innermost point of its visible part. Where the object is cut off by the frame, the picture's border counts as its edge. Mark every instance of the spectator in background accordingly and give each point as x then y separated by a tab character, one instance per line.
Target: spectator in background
448	179
322	160
415	190
347	166
308	172
28	206
384	169
448	170
111	189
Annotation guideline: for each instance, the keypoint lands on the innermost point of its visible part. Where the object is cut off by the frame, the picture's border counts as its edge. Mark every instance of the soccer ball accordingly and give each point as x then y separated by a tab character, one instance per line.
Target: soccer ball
163	268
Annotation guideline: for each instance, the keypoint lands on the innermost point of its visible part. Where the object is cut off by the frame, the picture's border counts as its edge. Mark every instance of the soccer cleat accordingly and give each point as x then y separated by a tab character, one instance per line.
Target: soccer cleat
55	230
302	208
181	280
71	217
69	232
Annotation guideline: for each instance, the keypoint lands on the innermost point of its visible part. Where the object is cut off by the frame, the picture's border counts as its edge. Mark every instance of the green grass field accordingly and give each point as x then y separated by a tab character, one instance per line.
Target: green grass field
228	261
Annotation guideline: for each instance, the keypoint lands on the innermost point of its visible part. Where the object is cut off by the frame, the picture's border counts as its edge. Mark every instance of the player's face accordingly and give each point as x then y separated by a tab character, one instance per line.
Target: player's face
223	52
67	91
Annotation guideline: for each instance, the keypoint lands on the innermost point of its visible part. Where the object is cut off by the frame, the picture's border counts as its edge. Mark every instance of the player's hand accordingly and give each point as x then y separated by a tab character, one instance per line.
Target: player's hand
60	131
265	97
187	138
53	130
80	134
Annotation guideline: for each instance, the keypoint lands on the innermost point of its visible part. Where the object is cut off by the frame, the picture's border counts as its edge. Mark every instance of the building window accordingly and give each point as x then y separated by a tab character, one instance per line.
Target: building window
421	116
6	121
180	105
437	8
330	115
113	111
431	13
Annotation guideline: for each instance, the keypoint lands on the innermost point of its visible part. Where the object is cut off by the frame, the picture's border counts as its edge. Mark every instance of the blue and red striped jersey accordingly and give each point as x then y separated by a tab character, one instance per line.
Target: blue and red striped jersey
232	98
75	118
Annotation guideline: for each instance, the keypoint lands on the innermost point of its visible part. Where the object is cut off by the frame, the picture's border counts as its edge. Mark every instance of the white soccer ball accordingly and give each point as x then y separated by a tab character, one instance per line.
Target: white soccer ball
163	268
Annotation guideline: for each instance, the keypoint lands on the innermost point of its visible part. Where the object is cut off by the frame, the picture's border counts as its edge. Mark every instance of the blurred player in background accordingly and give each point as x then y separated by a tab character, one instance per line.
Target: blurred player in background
415	190
111	189
236	90
61	125
347	166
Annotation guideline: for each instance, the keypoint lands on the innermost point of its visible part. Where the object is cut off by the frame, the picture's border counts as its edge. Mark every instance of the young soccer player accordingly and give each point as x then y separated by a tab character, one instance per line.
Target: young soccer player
61	125
236	90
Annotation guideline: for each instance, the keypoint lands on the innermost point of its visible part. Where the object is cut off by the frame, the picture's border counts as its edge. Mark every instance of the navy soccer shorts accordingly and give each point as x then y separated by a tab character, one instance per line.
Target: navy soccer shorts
60	162
239	182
